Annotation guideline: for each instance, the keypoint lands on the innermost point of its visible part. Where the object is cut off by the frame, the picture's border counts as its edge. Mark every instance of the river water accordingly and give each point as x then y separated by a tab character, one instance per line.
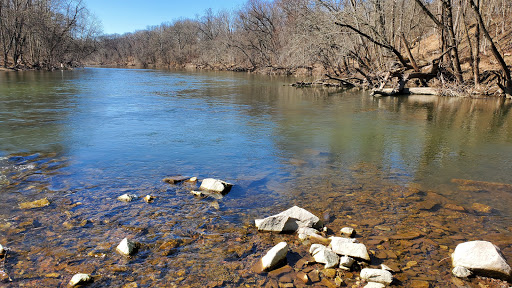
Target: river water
414	176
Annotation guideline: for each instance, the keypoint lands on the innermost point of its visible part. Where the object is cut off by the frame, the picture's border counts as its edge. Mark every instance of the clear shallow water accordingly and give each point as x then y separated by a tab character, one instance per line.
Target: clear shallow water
99	133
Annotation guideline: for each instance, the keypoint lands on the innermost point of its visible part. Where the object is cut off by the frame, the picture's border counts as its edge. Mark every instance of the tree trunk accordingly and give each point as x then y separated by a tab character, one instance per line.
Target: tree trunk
453	41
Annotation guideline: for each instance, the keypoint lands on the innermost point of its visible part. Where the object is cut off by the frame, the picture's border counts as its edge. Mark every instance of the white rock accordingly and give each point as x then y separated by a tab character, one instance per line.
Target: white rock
80	279
346	262
355	250
336	240
215	185
349	231
149	198
288	221
324	255
481	257
461	272
2	250
374	285
126	247
376	275
386	267
127	197
274	256
306	232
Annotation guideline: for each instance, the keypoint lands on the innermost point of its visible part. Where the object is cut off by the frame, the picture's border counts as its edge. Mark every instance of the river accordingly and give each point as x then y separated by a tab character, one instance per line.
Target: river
438	167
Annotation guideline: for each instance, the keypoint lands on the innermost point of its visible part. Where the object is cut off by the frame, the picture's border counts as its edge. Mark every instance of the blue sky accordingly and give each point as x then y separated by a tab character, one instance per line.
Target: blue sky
121	16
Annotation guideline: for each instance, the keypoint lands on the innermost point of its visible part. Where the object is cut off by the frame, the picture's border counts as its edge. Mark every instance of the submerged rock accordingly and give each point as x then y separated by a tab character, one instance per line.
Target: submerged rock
149	198
80	279
481	257
35	204
355	250
126	247
274	256
376	275
127	197
215	185
175	179
324	255
288	221
461	272
374	285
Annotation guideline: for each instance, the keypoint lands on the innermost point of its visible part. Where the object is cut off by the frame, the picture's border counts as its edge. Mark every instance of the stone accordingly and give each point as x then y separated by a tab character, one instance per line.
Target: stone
338	281
288	221
274	256
80	279
420	284
126	247
355	250
374	285
198	194
215	185
387	268
461	272
127	197
2	250
192	180
376	275
348	231
338	240
303	276
329	272
35	204
175	179
481	257
324	255
346	262
482	208
149	198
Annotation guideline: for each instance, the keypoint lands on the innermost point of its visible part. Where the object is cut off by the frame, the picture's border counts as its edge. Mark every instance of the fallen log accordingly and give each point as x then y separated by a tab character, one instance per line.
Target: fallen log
405	91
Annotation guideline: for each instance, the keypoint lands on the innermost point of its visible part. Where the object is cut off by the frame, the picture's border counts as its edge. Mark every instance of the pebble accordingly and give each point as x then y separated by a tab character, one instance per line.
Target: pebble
376	275
2	250
126	247
348	231
303	276
127	197
346	262
461	272
35	204
80	279
149	198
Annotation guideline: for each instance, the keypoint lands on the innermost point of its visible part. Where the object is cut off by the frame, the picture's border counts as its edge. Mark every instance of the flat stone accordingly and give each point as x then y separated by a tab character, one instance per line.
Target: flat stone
215	185
329	273
313	276
406	236
324	255
80	279
374	285
348	231
126	247
461	272
481	257
35	204
420	284
303	276
355	250
482	208
127	197
376	275
274	256
454	207
175	179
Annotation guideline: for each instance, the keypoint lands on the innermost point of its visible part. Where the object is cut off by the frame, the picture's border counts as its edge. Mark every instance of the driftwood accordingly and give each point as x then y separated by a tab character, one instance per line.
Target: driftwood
405	91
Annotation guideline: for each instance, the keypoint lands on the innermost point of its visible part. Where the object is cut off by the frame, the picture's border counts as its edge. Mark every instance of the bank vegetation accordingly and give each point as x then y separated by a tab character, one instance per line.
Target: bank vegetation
457	47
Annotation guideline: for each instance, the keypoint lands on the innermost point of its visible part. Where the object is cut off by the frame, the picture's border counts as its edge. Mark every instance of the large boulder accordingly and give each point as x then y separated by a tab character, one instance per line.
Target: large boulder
355	250
324	255
274	256
481	257
288	221
376	275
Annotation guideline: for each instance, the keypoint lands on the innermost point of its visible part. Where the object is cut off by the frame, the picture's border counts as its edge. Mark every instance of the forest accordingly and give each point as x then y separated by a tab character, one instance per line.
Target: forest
461	45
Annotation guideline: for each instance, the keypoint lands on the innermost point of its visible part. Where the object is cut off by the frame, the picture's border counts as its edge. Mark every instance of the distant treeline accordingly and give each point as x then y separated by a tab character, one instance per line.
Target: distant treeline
45	33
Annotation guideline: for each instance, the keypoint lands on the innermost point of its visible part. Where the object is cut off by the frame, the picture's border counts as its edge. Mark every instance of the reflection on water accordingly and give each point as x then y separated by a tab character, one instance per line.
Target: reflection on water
387	166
